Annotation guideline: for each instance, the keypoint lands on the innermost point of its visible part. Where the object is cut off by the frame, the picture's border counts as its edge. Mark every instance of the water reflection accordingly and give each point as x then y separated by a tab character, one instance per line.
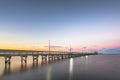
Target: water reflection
100	67
48	75
71	69
17	66
23	66
7	68
86	59
44	62
35	64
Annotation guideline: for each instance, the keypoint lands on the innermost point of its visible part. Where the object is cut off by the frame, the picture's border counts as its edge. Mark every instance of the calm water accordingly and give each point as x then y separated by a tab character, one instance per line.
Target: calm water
97	67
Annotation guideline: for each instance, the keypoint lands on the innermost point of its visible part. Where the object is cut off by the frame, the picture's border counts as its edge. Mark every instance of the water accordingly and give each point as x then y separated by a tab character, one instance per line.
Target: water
95	67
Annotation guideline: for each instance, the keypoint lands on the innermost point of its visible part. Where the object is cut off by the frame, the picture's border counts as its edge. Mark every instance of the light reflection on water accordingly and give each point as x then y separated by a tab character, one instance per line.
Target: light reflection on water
48	75
86	59
99	67
71	69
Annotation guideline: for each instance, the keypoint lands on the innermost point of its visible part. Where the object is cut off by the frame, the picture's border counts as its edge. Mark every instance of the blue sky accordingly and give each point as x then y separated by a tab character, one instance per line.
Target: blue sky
77	23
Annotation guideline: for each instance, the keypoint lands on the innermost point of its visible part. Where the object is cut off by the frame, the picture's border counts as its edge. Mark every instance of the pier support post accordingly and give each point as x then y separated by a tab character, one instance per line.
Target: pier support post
7	59
23	59
53	57
35	60
44	58
7	64
62	56
50	58
70	55
57	57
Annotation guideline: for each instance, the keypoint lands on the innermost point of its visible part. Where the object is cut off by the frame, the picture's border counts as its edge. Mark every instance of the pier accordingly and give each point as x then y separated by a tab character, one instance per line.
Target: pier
46	56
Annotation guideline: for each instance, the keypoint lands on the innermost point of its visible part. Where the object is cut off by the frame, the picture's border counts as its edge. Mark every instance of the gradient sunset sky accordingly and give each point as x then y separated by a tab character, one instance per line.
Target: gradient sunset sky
30	24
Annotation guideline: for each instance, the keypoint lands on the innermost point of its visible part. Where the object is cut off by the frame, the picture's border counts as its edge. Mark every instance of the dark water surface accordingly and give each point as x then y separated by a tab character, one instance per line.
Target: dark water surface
95	67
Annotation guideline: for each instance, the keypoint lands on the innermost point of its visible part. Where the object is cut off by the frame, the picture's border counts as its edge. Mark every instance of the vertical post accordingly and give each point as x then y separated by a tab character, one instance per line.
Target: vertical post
7	64
44	59
82	51
70	48
35	60
7	59
62	56
23	59
49	46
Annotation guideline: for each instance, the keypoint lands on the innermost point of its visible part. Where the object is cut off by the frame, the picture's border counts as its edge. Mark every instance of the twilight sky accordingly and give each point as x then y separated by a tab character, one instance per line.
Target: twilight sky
94	24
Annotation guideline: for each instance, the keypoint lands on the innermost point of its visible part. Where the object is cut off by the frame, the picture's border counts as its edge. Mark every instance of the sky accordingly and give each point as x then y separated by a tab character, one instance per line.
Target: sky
30	24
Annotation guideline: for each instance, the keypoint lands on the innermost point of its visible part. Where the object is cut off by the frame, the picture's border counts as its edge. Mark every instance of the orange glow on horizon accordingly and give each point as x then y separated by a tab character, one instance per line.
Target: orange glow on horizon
76	49
19	47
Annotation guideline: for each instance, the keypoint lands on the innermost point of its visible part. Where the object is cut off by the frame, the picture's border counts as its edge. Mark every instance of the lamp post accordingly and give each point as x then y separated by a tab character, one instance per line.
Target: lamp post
83	49
49	46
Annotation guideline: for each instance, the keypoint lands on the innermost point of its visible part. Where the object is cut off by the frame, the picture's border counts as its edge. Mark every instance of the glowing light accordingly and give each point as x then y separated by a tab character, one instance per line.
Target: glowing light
86	57
71	68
